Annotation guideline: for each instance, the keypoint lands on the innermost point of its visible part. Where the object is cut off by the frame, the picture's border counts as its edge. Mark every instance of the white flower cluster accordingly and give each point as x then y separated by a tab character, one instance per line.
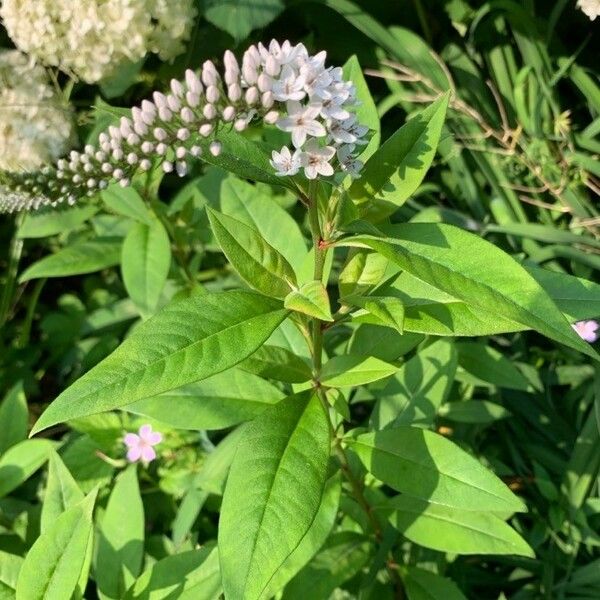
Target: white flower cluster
91	38
318	109
35	126
591	8
281	85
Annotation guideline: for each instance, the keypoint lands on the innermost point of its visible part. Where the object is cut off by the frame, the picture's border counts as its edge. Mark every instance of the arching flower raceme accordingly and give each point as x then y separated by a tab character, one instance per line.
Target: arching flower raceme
591	8
281	85
140	445
92	38
587	330
36	127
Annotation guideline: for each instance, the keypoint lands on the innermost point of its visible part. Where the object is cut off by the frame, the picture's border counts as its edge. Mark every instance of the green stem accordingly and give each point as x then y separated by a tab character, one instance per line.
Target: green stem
10	280
320	255
33	301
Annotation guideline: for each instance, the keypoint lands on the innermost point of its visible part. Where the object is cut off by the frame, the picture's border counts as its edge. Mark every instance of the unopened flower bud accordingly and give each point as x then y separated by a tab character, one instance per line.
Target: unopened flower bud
215	148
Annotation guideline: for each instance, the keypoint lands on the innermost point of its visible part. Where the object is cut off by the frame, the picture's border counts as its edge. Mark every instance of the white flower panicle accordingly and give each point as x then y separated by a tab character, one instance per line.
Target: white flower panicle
91	38
36	127
591	8
281	85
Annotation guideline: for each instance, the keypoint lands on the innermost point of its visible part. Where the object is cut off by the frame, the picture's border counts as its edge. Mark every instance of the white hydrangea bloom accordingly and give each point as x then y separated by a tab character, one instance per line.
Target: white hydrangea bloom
281	85
173	23
590	7
91	38
36	128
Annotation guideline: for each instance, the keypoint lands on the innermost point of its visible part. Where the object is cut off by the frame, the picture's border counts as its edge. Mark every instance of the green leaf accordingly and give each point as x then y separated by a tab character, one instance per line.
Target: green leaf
10	566
345	554
426	465
313	540
362	271
311	299
473	411
120	552
454	530
245	158
217	402
396	170
214	471
46	223
53	566
126	202
366	112
14	418
256	207
20	462
187	341
239	17
577	298
145	262
273	493
485	365
257	263
278	363
78	259
485	277
425	585
354	369
62	492
192	575
415	393
380	310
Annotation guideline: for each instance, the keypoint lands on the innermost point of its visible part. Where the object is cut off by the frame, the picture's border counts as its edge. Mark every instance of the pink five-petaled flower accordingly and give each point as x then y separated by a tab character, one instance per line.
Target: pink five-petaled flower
140	445
302	121
587	330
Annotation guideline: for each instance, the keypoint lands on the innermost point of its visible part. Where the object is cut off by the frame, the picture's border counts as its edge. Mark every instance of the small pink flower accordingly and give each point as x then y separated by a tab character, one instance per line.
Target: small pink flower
587	330
140	444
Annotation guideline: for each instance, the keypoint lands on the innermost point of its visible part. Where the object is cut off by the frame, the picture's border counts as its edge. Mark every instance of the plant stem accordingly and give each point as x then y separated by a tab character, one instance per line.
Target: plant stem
320	255
15	250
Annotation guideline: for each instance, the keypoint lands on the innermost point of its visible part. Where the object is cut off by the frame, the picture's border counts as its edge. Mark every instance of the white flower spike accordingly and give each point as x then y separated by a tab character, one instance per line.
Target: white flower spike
281	85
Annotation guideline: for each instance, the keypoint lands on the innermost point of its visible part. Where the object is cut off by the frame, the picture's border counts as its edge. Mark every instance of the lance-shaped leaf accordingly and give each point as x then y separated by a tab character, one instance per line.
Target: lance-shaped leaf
366	112
312	300
354	369
397	169
145	263
192	575
471	269
20	462
80	258
313	540
278	363
120	552
379	310
53	566
425	585
453	530
62	492
220	401
426	465
257	262
273	493
14	418
187	341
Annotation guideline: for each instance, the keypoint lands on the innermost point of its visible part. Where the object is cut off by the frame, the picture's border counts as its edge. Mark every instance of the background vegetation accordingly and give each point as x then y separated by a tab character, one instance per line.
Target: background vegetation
517	164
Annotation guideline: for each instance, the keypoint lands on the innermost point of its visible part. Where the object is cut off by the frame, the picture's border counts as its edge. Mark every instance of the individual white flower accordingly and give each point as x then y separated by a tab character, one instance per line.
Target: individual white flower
301	121
349	163
286	163
36	127
290	86
591	8
92	38
315	159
